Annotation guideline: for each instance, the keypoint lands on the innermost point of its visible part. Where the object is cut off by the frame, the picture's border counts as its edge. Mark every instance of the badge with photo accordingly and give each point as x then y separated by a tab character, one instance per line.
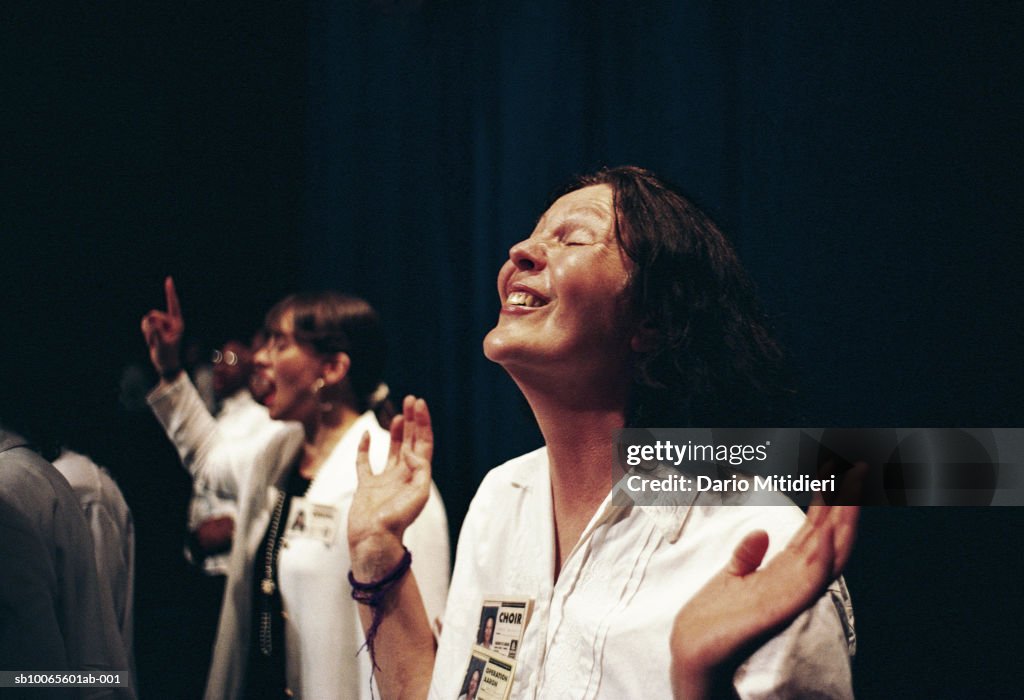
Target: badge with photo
502	624
488	676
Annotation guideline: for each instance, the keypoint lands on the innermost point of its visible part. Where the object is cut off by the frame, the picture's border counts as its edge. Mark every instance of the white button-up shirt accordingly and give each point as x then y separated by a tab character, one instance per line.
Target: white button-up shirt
240	419
602	629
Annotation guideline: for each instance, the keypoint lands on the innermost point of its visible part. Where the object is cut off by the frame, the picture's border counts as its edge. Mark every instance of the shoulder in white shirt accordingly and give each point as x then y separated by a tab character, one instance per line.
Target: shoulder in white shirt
602	630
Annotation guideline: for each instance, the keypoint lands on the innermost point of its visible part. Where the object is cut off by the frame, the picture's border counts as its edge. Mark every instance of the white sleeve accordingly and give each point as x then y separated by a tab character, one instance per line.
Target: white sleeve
223	464
810	658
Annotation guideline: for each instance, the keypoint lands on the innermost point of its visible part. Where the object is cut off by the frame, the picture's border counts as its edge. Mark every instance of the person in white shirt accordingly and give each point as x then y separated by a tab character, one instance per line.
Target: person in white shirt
240	422
113	534
626	307
211	514
58	611
288	625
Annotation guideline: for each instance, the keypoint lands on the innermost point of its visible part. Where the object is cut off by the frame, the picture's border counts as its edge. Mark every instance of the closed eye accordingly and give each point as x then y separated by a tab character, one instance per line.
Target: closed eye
576	236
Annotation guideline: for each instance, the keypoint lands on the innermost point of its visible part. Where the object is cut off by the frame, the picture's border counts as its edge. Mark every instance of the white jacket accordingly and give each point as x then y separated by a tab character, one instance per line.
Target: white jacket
323	633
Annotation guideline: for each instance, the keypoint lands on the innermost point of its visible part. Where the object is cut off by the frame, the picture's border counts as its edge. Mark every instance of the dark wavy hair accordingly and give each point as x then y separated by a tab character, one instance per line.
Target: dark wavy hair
712	360
330	322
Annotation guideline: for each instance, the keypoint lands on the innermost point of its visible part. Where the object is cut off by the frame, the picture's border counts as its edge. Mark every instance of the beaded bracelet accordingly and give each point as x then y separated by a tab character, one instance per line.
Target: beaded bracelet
372	594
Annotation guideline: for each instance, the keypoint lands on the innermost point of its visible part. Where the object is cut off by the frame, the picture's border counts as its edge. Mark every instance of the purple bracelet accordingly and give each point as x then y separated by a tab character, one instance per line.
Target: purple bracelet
373	594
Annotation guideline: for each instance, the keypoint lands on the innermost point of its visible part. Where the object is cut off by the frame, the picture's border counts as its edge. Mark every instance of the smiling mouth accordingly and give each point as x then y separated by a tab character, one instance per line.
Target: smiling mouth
524	299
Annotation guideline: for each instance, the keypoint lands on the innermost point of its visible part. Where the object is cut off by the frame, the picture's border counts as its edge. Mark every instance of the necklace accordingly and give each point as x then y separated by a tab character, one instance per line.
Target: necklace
267	585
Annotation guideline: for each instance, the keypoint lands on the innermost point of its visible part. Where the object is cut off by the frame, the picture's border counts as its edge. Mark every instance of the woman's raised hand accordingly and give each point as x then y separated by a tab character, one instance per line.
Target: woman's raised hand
385	504
162	331
742	606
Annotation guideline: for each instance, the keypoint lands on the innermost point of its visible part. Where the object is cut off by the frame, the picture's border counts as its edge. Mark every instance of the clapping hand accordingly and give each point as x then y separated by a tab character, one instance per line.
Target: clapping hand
742	606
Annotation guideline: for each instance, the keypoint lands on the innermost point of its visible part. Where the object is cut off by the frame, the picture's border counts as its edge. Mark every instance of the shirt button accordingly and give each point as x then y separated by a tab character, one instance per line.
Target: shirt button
288	692
284	614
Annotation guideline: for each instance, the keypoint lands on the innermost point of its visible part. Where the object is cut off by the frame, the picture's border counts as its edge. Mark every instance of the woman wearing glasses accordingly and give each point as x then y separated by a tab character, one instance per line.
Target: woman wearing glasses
288	624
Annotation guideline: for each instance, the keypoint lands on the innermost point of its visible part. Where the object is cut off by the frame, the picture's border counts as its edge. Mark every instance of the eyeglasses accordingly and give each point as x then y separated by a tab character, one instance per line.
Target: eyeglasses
228	358
278	341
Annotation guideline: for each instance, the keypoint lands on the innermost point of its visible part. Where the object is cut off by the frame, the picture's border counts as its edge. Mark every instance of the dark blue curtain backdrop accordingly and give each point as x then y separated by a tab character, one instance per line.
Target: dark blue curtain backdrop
865	158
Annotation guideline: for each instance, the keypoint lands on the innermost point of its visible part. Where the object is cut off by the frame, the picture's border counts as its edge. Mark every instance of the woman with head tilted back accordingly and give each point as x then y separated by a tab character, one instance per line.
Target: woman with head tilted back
288	624
625	307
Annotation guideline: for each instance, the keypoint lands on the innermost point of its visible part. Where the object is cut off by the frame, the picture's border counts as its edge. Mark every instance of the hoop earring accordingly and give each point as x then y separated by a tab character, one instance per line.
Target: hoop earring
324	406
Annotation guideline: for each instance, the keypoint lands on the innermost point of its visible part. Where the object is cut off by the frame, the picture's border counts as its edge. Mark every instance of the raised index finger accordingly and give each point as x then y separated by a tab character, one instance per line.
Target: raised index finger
173	307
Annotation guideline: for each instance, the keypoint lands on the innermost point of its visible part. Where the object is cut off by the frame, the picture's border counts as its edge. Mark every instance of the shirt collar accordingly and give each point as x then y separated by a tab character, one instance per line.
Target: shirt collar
529	471
668	512
242	396
9	440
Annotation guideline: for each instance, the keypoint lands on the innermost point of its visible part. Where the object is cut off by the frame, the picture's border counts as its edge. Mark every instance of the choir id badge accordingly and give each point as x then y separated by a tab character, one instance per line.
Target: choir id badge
502	624
311	521
489	676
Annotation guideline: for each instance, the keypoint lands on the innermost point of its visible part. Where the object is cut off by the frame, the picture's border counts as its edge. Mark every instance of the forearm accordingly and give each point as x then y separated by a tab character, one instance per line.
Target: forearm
403	644
185	419
691	681
223	463
694	676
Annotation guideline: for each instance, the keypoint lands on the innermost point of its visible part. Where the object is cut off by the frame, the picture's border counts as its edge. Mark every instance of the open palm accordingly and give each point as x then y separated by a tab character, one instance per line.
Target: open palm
385	504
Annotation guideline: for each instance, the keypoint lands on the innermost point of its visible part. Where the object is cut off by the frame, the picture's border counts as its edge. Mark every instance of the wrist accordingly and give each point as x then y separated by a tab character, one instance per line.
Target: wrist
373	593
169	375
696	675
688	681
373	556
